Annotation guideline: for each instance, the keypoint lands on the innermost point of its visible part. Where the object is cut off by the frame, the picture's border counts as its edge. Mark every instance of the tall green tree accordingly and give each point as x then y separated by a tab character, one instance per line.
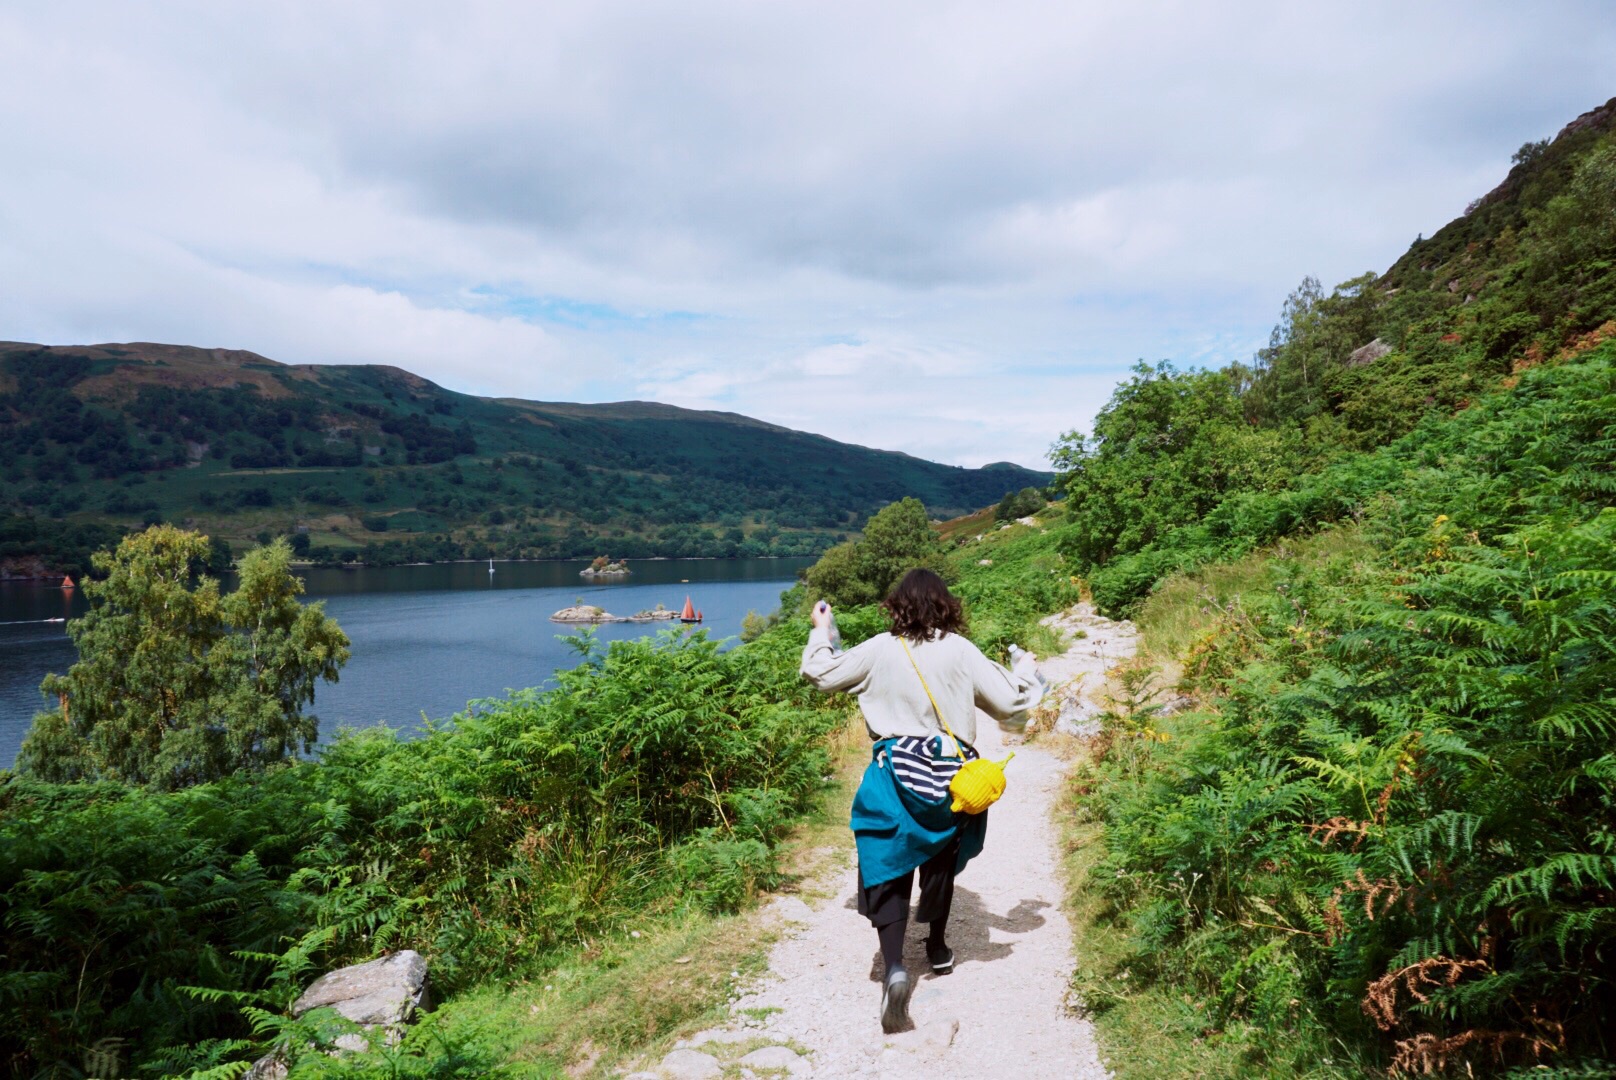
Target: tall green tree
177	684
897	539
1292	380
1019	504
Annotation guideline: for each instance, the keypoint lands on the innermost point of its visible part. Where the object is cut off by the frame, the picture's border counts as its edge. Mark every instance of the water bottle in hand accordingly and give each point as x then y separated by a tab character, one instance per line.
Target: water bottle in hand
1025	664
830	627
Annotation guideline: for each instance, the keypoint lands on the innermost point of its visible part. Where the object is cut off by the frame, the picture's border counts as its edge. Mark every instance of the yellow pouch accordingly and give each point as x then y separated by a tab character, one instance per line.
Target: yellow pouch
979	782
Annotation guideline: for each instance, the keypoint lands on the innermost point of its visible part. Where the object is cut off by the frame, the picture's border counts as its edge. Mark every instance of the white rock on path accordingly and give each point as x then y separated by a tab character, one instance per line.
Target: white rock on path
1002	1011
778	1057
690	1065
1077	676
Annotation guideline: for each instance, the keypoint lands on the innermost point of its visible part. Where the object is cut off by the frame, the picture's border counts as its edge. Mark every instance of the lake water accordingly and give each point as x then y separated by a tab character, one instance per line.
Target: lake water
426	639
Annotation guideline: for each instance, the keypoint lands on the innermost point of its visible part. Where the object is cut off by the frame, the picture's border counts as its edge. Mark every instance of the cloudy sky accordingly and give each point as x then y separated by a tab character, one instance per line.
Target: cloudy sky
933	227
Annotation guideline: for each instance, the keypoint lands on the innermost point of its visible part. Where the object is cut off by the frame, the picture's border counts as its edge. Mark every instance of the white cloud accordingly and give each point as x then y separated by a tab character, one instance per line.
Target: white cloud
938	227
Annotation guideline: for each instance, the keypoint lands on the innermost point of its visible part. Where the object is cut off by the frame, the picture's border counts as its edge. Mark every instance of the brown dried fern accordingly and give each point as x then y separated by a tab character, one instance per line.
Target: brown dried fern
1380	1001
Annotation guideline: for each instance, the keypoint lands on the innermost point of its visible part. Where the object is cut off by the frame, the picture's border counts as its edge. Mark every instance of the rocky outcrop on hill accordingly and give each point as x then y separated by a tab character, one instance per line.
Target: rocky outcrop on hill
24	566
1368	354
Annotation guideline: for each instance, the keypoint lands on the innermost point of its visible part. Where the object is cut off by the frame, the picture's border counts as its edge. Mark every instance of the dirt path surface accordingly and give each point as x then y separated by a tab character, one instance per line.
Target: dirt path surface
1003	1011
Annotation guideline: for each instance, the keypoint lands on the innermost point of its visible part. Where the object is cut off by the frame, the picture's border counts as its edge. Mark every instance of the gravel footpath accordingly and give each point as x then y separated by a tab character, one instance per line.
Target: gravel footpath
1003	1012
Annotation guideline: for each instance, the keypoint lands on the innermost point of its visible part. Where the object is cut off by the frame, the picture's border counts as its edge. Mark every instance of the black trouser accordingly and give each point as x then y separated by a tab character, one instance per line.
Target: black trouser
887	905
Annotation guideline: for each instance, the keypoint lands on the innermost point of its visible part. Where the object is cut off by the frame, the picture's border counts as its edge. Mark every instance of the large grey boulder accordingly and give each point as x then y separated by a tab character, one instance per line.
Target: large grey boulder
382	993
1368	354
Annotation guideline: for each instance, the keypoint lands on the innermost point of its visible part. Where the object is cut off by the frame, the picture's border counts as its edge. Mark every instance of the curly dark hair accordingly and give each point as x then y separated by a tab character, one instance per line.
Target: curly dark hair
921	607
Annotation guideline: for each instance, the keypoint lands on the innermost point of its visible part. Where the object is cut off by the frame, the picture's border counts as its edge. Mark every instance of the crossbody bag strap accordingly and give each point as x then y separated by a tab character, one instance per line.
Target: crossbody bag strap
902	641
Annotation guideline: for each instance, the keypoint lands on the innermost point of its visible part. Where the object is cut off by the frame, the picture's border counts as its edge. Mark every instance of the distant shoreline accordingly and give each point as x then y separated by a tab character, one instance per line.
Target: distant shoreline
304	564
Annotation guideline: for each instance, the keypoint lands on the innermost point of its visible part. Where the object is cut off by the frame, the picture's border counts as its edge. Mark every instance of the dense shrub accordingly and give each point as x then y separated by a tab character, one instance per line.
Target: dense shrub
1393	820
658	768
1473	464
1019	504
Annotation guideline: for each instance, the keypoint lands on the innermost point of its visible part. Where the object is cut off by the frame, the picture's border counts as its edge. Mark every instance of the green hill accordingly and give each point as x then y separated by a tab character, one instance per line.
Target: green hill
373	462
1350	812
1523	275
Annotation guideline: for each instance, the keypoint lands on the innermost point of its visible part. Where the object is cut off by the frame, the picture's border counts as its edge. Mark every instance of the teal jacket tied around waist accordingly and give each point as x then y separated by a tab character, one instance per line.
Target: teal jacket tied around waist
896	830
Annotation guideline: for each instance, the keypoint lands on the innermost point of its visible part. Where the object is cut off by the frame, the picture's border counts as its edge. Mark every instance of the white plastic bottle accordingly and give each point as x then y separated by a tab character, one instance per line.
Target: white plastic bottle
830	627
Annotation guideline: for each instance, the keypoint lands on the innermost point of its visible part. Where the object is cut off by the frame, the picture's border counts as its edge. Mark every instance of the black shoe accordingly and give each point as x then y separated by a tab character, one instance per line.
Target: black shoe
895	1001
941	958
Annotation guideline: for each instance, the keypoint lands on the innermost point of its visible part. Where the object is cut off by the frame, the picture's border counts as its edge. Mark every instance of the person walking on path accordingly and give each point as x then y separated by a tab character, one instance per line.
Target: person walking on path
918	687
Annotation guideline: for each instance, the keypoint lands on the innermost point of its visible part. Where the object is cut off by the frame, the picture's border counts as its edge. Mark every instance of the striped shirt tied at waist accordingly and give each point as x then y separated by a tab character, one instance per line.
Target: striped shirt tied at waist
926	764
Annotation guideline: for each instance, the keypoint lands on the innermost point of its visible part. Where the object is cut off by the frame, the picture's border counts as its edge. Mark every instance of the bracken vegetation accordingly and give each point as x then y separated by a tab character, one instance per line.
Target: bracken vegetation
166	932
1380	831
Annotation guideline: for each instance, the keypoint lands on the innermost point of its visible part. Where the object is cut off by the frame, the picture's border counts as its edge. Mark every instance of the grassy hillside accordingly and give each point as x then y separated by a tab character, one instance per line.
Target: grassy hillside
376	463
1183	467
1382	836
1380	561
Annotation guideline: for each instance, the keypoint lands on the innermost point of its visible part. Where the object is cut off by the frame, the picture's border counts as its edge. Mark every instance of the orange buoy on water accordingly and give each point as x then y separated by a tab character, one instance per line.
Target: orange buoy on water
67	581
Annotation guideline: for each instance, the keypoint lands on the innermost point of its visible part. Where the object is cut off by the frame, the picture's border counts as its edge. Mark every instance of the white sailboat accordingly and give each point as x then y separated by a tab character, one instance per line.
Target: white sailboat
490	564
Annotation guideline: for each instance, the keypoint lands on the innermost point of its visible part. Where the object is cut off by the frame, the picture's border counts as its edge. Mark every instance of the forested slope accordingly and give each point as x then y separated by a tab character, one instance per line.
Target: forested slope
1380	561
376	463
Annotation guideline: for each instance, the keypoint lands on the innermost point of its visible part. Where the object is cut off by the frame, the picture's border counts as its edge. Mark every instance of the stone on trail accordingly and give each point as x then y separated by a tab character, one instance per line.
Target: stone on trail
778	1057
718	1035
791	909
927	1040
939	1034
690	1065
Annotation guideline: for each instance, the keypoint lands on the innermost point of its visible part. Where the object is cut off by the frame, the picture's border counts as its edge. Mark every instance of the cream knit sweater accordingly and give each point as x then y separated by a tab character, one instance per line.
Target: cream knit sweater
891	697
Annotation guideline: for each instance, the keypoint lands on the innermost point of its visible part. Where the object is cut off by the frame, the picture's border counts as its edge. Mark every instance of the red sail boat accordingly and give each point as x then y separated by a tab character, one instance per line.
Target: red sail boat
67	581
689	614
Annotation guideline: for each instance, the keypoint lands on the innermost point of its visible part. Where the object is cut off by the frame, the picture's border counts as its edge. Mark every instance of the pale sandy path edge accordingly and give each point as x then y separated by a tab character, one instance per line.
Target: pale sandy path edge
1005	1009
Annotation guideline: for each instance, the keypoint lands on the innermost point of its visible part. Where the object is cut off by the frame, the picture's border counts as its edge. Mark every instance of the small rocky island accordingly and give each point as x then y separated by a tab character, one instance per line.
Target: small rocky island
589	613
603	567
